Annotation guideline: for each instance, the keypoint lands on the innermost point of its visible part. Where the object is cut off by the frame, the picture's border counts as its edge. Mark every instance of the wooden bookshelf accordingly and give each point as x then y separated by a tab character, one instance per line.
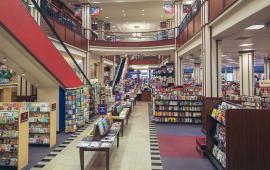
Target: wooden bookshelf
247	139
22	139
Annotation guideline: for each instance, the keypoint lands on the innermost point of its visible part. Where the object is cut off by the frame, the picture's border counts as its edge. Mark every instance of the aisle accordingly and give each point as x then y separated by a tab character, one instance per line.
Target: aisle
132	154
177	144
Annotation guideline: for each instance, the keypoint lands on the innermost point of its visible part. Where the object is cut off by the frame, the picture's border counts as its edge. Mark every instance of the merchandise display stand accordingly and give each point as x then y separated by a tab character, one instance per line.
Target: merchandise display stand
243	146
74	109
14	142
42	124
208	104
42	120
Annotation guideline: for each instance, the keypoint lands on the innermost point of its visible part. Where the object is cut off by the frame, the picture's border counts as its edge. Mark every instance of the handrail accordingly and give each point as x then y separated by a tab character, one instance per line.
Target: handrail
59	15
60	40
189	16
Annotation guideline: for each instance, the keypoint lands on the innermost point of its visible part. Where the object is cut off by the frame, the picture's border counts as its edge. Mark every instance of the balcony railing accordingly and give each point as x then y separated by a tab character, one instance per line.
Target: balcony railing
68	27
109	36
190	25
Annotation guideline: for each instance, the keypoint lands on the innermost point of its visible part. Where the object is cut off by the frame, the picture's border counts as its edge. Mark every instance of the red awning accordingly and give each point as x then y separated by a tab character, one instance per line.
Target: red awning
21	25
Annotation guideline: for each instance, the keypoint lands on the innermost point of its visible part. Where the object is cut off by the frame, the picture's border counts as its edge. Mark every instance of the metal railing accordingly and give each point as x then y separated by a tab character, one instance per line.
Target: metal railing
110	36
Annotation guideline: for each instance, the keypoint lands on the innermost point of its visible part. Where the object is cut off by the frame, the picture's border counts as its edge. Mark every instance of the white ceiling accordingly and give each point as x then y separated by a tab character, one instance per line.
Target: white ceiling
133	16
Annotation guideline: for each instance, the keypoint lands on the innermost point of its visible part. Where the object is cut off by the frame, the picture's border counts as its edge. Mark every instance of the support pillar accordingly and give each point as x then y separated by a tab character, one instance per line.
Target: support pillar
267	68
236	74
86	26
177	15
246	63
211	54
86	20
181	72
197	73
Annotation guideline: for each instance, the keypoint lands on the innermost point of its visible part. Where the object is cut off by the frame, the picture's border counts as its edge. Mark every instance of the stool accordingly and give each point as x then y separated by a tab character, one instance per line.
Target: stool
201	145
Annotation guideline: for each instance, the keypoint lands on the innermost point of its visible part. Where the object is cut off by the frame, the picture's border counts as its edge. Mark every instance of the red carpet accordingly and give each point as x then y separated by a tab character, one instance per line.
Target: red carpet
178	146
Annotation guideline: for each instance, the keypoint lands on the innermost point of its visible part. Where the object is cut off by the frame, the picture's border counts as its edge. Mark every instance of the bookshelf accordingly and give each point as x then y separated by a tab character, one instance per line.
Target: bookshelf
14	142
42	123
74	109
173	108
233	142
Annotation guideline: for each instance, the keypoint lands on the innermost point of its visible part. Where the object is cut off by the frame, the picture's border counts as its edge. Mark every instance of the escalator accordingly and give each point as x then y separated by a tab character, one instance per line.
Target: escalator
119	74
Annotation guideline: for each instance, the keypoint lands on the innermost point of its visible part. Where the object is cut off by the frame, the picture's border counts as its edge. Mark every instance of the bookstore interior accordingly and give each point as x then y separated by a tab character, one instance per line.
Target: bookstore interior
202	107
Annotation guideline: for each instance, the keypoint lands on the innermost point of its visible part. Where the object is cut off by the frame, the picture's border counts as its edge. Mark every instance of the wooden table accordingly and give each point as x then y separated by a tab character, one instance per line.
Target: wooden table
121	118
82	149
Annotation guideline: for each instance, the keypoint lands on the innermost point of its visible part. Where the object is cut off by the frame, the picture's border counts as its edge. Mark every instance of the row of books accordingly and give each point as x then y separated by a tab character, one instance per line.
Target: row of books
178	120
219	112
178	114
179	103
219	155
176	97
177	108
39	139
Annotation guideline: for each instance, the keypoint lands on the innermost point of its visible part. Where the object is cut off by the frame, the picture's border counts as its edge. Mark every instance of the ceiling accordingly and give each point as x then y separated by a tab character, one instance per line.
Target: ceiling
133	16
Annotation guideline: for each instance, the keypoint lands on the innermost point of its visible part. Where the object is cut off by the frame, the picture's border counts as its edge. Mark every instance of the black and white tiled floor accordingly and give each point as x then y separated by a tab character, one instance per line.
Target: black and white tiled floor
154	146
62	146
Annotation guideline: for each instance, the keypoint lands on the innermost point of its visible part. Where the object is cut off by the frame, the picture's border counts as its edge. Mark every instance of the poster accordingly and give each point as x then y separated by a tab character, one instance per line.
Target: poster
77	11
168	8
95	11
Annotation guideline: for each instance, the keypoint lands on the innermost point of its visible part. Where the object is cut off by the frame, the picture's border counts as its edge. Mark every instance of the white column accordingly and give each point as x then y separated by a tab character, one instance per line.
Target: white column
246	63
101	31
177	15
267	68
211	54
181	71
236	74
197	73
86	20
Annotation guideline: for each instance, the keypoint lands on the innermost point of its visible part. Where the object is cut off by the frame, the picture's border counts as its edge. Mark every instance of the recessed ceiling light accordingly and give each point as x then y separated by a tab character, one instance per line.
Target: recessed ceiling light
142	14
189	2
4	59
142	10
223	55
23	74
123	10
255	27
106	17
125	15
101	9
245	45
113	26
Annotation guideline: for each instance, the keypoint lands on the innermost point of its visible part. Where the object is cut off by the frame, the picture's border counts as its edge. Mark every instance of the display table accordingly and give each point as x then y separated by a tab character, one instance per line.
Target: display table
123	115
103	145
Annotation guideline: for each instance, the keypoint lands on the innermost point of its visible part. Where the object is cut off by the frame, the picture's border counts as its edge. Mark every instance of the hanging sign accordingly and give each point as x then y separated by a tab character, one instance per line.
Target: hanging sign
118	97
264	83
102	109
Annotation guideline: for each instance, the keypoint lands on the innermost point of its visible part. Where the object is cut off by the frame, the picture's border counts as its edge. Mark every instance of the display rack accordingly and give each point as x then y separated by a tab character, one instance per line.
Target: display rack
42	123
14	142
265	95
233	142
74	109
173	108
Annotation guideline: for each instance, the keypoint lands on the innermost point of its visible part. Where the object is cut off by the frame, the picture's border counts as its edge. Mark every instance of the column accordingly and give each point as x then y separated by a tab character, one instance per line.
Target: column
236	74
211	54
197	73
180	71
86	20
101	31
86	26
267	68
177	15
246	63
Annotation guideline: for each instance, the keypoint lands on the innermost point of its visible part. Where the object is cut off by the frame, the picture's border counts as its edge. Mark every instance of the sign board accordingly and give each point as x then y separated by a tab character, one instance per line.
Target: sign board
24	117
265	83
118	97
102	109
